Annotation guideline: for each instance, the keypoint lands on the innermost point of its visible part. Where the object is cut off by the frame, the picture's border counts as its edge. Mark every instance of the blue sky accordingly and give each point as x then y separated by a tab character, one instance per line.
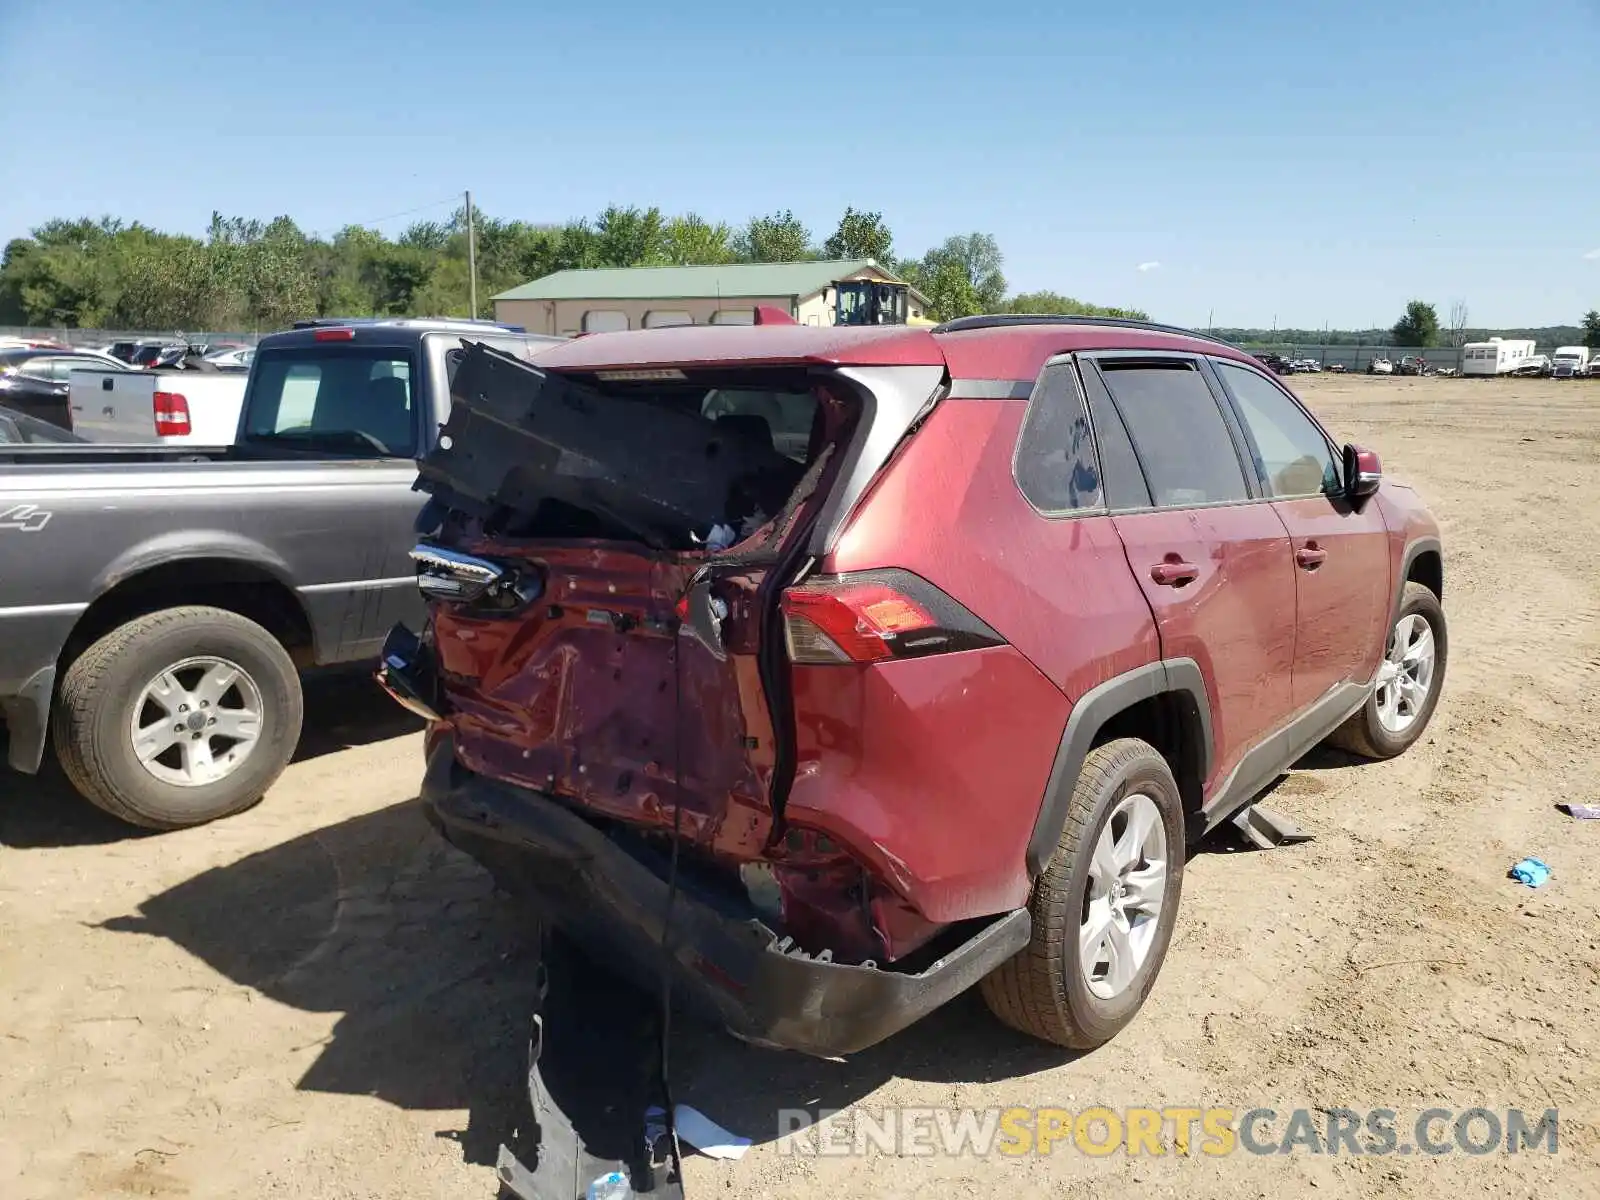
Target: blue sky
1297	162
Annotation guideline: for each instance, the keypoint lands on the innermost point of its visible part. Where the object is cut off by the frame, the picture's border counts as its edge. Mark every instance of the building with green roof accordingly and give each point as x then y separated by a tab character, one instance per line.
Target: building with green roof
612	298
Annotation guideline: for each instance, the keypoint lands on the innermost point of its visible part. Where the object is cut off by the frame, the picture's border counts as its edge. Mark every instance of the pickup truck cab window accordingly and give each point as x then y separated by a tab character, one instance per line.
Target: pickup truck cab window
330	397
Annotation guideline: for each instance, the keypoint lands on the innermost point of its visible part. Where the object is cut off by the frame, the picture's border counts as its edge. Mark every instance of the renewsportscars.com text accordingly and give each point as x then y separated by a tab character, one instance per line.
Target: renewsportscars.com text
1172	1130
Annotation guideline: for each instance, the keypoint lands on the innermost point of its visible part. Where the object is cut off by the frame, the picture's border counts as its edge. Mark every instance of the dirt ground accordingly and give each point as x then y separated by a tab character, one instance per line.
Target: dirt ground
318	999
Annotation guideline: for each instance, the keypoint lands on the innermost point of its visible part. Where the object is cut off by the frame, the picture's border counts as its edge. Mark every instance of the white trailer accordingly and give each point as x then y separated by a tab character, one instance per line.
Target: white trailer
1497	356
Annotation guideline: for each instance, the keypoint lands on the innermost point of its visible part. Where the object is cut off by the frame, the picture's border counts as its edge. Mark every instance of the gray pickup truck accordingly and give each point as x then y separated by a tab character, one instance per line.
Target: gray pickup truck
158	603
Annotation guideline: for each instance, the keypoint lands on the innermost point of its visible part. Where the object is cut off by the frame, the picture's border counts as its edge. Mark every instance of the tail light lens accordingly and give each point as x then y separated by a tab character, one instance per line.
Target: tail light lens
874	616
172	414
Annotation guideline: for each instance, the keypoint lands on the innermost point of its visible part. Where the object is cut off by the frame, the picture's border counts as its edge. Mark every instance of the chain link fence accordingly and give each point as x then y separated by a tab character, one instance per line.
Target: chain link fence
89	338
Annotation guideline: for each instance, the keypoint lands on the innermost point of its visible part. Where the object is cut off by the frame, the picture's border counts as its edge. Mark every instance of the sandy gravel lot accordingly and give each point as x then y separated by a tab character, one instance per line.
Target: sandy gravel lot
318	999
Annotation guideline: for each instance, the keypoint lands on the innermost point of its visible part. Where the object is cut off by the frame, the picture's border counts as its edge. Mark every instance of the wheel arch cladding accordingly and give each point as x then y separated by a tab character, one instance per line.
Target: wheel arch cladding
1424	564
1164	703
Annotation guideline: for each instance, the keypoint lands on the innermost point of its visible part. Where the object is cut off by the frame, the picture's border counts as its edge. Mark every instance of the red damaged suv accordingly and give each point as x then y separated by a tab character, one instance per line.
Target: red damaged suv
865	665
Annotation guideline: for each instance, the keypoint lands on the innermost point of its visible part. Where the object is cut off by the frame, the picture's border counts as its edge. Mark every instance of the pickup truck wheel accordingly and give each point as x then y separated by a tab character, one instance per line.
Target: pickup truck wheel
1410	678
178	717
1104	908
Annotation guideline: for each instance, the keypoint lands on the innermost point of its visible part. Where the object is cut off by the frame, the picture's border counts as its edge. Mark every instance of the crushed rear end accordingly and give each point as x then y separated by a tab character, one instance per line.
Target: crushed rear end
622	564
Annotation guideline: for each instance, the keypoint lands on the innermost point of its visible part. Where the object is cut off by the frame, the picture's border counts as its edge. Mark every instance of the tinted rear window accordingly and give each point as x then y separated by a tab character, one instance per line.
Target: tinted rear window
334	398
1178	432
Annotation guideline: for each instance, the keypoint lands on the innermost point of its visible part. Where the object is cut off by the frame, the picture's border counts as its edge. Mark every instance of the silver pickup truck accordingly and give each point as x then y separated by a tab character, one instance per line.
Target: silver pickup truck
158	603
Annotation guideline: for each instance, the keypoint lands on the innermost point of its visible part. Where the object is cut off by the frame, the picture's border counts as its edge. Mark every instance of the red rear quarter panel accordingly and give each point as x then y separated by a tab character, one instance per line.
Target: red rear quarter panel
936	767
932	769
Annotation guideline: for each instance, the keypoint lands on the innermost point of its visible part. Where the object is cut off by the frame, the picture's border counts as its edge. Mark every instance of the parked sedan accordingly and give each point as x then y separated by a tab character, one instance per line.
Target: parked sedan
1380	366
235	358
1536	367
35	381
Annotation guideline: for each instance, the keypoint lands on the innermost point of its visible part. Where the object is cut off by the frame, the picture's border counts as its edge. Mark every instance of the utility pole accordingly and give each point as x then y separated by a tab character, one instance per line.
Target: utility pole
472	260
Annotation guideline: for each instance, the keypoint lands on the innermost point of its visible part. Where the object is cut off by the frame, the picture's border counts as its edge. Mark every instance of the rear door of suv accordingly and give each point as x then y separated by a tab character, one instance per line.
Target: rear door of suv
1341	553
1212	558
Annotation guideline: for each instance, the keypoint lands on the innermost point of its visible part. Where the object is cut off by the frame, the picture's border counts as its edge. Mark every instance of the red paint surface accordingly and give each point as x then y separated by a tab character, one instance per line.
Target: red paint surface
1236	619
949	510
568	705
931	771
1341	607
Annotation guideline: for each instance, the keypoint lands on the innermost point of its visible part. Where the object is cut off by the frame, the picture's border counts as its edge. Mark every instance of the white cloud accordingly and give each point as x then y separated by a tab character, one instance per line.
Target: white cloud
1593	254
1151	266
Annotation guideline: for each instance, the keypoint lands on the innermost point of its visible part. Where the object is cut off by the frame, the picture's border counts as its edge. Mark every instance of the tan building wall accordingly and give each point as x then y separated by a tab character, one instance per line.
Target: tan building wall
569	316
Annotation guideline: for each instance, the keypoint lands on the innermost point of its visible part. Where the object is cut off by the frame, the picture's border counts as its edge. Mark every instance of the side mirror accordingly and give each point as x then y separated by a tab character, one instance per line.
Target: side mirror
1363	472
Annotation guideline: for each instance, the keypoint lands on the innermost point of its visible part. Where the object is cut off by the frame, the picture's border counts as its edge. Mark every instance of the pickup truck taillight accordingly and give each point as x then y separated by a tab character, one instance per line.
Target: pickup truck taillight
873	616
172	414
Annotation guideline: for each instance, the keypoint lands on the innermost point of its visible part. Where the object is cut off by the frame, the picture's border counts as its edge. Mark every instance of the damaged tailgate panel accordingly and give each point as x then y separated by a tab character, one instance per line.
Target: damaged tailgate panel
519	436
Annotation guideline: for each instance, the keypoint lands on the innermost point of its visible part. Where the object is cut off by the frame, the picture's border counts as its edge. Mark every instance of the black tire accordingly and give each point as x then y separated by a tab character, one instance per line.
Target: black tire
94	710
1042	991
1363	733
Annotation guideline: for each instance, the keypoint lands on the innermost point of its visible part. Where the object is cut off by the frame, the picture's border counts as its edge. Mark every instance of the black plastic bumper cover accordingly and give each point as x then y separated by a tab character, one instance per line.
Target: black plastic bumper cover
729	969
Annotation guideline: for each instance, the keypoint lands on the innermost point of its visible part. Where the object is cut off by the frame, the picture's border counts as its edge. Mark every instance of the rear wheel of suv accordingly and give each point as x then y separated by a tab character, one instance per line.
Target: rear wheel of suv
1104	908
1409	680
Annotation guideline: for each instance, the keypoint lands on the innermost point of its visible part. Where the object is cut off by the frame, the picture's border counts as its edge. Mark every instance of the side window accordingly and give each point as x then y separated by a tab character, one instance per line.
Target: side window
1177	431
1290	449
1055	464
734	316
1120	473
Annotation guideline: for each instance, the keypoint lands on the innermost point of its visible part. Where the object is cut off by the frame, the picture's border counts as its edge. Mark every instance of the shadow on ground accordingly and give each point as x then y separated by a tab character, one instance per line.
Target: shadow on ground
343	708
434	972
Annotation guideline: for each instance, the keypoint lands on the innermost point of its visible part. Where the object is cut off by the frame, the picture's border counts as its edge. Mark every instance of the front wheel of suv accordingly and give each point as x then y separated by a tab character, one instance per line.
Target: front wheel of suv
1408	684
1104	908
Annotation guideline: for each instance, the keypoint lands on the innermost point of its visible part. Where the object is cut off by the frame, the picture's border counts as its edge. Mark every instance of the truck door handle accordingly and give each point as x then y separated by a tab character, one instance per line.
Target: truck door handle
1310	556
1174	572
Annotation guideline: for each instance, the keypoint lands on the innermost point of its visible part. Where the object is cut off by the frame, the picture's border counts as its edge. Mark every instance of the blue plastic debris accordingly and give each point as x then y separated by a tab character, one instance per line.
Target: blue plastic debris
1531	872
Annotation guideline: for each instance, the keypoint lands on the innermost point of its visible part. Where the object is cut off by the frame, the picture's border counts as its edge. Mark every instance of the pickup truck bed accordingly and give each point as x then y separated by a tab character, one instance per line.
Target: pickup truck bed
186	408
157	602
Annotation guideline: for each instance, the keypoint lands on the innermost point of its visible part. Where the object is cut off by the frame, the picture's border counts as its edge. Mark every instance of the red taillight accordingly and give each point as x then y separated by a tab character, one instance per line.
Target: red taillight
172	414
334	335
875	616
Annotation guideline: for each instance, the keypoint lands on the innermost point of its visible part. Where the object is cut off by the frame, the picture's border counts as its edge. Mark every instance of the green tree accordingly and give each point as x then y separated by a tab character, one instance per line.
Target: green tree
1419	326
1055	304
691	240
977	257
1591	329
630	237
861	235
949	291
777	237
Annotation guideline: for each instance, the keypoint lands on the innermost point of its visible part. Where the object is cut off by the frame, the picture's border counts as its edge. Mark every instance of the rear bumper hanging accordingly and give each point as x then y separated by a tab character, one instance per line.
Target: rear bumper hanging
728	967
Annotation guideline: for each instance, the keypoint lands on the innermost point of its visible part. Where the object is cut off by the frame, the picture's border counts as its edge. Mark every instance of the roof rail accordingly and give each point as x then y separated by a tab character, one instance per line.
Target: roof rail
452	322
1001	320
